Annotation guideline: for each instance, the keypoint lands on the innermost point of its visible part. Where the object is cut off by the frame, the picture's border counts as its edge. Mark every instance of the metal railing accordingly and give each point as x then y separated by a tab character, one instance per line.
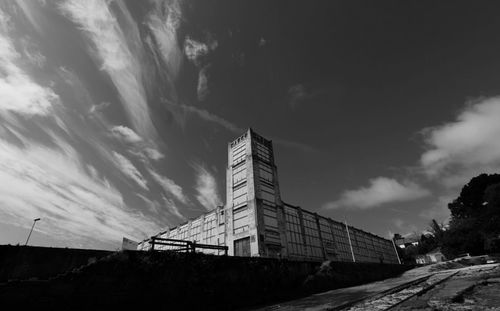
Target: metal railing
183	245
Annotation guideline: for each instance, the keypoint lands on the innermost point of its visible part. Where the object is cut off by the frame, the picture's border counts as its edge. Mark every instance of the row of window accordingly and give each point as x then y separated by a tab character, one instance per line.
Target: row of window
265	172
266	192
239	173
262	152
270	217
239	154
364	248
240	194
240	220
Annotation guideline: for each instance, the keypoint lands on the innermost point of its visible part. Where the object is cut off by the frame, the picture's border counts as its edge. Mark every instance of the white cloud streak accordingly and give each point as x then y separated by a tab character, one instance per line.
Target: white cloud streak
18	92
202	87
206	187
125	134
173	208
76	207
154	154
208	116
163	23
114	54
129	170
196	50
166	204
170	187
381	190
466	147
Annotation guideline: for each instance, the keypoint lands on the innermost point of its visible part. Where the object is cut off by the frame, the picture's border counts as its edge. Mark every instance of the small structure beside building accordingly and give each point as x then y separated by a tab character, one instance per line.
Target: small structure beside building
433	256
405	241
128	244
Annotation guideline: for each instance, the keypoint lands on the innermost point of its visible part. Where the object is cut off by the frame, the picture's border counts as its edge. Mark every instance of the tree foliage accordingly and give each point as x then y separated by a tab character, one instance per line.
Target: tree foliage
475	217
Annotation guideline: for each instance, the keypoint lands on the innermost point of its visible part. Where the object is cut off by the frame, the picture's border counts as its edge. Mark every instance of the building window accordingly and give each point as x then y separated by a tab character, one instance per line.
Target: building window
240	219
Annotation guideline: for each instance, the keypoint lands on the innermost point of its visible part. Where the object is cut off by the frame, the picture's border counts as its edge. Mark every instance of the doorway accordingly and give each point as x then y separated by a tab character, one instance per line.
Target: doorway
242	247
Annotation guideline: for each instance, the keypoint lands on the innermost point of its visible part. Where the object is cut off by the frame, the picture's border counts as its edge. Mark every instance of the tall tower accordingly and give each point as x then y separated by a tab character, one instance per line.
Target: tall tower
254	213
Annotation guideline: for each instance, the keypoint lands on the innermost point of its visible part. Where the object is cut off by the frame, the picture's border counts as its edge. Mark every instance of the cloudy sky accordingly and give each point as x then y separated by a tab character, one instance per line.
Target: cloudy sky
115	116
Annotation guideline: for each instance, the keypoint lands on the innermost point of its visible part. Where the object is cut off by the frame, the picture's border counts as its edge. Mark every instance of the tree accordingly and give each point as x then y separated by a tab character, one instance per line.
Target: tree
438	231
469	203
475	216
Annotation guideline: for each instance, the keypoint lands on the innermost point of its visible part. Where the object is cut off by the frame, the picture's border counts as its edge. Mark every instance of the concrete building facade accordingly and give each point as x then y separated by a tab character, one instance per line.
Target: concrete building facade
256	222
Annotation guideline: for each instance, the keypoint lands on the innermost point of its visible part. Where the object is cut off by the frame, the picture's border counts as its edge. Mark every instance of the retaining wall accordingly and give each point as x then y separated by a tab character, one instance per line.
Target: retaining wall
24	262
188	281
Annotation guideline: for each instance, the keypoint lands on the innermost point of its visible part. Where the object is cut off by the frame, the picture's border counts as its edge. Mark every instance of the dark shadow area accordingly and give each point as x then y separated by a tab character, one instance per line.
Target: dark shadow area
187	281
24	262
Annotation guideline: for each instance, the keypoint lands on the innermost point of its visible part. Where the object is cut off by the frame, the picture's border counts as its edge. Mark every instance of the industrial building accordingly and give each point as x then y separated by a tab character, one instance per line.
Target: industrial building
256	222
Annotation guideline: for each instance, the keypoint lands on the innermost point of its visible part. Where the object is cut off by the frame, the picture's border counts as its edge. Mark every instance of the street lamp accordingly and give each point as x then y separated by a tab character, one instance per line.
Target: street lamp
34	222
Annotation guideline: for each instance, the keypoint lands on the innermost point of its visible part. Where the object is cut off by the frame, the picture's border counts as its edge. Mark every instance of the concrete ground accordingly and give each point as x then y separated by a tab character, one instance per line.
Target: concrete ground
472	288
450	286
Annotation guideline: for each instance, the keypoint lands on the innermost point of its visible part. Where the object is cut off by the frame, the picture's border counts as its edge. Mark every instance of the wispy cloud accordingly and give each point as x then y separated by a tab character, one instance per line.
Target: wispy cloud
262	42
202	88
75	206
306	93
30	10
31	52
129	170
206	187
466	147
99	107
170	187
163	21
145	153
228	125
18	92
154	154
165	207
196	50
295	145
52	157
381	190
125	134
114	54
208	116
144	149
173	208
296	94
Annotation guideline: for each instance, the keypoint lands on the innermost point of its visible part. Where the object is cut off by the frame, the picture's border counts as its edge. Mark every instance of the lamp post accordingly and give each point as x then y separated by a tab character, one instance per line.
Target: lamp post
34	222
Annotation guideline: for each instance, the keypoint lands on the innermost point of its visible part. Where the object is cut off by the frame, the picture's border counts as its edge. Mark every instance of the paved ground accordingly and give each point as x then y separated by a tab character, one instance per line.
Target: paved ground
337	297
434	287
472	288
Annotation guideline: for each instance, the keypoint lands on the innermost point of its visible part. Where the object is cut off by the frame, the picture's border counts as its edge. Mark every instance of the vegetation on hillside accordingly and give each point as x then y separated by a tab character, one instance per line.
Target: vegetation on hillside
474	225
475	218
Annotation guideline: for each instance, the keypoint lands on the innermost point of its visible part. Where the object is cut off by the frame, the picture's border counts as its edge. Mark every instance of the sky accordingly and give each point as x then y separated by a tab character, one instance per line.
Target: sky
115	115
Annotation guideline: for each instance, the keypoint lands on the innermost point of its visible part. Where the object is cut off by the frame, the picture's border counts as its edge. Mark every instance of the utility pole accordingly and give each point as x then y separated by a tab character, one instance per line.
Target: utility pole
34	222
394	245
350	244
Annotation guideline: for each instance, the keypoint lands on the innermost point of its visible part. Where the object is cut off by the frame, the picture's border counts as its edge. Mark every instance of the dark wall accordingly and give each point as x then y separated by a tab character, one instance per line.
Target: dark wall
189	282
23	262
